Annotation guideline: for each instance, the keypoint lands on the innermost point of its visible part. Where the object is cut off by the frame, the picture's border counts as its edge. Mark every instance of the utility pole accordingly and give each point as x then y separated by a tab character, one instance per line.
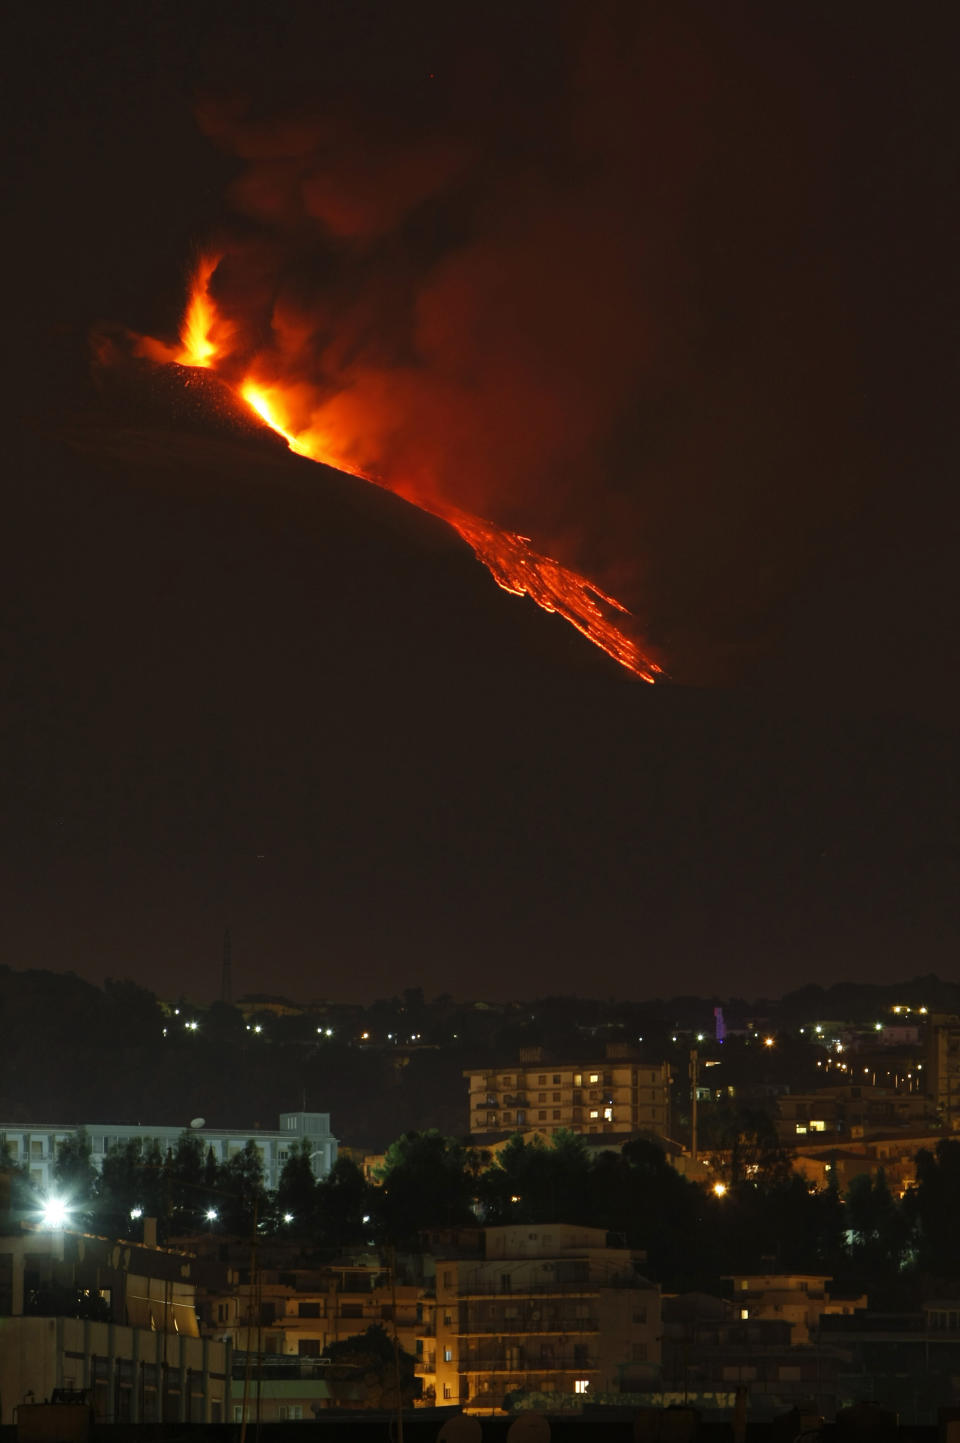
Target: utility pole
693	1106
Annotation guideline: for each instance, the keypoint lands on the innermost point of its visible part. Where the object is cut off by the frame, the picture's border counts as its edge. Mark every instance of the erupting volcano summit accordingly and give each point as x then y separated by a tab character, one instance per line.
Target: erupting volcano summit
208	339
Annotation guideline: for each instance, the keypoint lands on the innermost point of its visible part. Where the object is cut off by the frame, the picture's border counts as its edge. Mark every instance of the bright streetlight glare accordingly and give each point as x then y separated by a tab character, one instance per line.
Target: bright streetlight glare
288	1217
136	1212
55	1213
768	1041
211	1215
719	1189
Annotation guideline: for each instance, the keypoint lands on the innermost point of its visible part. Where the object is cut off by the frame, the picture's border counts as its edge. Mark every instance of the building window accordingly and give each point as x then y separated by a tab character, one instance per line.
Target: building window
556	1114
541	1116
447	1391
521	1115
594	1112
818	1126
448	1355
578	1079
309	1310
541	1079
581	1385
640	1316
508	1116
292	1411
447	1278
801	1128
308	1347
541	1097
556	1079
594	1077
638	1352
744	1314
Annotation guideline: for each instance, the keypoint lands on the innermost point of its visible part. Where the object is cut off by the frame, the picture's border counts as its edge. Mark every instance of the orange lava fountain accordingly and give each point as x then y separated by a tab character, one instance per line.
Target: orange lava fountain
511	560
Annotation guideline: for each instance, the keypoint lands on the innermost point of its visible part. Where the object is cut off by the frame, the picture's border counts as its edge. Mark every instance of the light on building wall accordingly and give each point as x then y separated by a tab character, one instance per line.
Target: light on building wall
136	1213
55	1213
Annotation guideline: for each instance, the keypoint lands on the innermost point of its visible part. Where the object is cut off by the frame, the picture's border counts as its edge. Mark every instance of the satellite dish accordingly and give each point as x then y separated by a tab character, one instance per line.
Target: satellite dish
198	1122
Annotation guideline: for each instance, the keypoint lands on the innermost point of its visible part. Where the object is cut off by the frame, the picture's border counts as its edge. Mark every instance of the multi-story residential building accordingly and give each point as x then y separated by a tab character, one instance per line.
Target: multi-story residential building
800	1299
284	1313
709	1352
543	1309
943	1067
117	1320
621	1094
34	1145
848	1110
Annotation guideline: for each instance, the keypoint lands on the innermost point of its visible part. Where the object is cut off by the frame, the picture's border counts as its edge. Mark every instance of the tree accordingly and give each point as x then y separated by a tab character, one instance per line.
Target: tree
244	1198
121	1186
297	1189
371	1369
344	1200
536	1182
424	1183
932	1209
75	1174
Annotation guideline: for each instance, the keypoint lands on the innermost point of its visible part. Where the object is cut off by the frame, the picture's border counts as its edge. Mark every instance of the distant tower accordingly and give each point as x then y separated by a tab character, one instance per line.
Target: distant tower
226	979
719	1024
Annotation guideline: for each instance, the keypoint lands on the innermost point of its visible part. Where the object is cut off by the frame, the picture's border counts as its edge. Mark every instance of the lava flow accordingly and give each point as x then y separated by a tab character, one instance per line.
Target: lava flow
512	562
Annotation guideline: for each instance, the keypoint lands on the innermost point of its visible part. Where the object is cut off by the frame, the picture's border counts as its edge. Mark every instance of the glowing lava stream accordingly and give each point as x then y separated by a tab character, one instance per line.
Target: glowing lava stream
509	558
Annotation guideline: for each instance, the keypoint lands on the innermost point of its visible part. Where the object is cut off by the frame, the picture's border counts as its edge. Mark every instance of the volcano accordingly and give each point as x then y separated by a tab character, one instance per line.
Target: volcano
242	536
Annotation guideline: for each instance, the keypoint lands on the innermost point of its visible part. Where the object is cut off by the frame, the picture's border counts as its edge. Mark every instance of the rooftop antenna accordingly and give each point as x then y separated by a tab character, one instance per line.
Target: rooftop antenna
226	979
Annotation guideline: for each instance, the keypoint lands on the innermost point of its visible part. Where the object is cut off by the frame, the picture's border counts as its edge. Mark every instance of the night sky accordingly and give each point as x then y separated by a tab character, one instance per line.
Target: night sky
672	290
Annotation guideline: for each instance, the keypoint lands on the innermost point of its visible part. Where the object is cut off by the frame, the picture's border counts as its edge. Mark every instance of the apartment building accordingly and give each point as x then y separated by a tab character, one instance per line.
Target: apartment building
619	1095
848	1110
34	1145
943	1067
800	1299
543	1309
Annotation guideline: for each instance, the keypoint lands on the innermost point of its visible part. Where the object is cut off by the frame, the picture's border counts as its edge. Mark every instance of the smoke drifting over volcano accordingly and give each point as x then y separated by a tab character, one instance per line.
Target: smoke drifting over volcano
503	276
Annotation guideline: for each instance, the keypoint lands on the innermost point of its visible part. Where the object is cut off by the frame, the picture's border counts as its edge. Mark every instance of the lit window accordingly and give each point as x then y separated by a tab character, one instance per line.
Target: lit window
801	1127
818	1126
744	1313
595	1112
448	1355
594	1077
608	1114
581	1385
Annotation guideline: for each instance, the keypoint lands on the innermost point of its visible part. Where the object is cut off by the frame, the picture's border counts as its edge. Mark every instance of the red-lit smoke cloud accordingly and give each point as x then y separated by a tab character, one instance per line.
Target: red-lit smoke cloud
564	285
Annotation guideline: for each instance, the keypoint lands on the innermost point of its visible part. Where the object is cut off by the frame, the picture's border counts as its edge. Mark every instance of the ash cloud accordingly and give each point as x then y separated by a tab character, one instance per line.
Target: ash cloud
570	271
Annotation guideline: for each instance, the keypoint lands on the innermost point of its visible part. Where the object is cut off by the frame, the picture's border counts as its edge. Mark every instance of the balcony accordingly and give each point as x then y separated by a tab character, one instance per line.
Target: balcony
504	1363
526	1323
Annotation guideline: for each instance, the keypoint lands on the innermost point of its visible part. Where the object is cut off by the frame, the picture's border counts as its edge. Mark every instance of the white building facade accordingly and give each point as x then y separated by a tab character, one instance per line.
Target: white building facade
34	1145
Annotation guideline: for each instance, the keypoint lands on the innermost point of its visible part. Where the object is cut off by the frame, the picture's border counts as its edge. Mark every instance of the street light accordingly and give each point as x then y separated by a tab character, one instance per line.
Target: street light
55	1212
